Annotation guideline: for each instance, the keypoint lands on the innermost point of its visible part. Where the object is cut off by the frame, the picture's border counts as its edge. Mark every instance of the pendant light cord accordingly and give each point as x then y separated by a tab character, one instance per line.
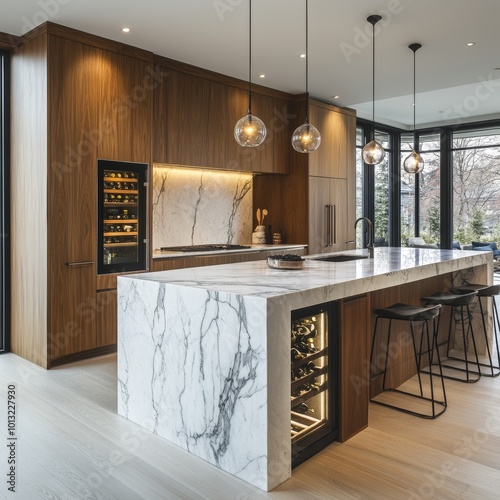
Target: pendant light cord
307	60
373	79
373	20
414	103
250	57
414	47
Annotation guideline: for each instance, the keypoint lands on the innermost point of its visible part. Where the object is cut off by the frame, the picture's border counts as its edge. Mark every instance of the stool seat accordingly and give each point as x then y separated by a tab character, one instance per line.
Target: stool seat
482	290
461	298
405	312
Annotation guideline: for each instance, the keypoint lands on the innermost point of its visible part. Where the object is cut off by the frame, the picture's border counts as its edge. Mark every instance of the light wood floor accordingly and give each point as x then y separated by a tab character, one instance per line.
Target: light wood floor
73	445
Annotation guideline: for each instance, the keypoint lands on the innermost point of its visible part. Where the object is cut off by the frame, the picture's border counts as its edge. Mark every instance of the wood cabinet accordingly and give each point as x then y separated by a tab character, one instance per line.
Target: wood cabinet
194	119
355	336
106	314
332	158
328	221
332	181
90	102
73	114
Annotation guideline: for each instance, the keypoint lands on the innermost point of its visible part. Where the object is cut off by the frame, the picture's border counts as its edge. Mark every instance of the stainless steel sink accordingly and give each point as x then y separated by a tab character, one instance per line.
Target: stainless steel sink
340	258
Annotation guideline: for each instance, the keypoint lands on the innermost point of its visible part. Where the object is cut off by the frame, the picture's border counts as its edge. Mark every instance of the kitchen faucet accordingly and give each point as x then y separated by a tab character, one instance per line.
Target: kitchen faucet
371	234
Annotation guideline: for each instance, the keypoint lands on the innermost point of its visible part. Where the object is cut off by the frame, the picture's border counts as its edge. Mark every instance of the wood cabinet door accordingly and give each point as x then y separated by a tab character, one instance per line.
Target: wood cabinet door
319	199
126	89
106	318
282	129
338	197
73	100
355	335
331	158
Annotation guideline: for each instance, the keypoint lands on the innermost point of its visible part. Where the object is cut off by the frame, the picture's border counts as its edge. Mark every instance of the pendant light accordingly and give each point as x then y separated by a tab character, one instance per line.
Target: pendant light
306	138
373	152
250	130
414	163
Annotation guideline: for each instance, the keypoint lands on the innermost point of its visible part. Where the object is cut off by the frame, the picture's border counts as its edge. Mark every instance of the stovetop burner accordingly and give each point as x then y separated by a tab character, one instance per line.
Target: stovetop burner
213	247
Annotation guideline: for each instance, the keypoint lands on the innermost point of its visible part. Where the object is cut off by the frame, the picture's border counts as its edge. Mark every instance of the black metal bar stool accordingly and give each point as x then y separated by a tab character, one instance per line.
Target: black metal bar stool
486	291
461	299
411	314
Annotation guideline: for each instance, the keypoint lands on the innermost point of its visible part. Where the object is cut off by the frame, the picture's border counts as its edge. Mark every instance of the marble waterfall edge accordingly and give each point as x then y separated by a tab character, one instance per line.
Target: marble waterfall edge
192	368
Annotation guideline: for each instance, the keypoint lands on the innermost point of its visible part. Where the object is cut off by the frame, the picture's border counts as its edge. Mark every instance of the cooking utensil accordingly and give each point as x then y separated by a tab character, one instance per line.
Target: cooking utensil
264	213
258	217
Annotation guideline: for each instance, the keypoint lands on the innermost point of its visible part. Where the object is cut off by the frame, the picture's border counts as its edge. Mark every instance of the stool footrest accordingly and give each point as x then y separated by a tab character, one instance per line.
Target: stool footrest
434	402
456	368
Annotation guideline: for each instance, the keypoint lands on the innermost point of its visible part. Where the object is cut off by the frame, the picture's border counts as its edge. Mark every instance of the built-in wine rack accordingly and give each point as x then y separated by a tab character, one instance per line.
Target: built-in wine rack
120	224
309	375
122	216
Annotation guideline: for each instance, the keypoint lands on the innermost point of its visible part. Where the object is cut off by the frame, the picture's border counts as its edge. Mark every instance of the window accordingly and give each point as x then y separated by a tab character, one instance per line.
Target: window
476	185
382	189
359	183
420	197
4	212
375	195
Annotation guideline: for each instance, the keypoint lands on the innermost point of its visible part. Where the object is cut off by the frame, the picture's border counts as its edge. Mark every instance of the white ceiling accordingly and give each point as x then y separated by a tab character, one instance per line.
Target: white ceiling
455	83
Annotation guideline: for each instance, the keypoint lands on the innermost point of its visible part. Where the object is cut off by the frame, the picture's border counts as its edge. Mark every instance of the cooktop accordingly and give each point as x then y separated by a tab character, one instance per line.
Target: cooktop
213	247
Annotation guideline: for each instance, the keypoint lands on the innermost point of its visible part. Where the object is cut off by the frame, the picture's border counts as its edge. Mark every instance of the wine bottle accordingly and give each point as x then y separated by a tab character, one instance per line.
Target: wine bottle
303	408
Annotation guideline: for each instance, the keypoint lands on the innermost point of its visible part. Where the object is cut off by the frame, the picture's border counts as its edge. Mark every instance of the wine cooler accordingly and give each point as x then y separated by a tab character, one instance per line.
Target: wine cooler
122	220
314	385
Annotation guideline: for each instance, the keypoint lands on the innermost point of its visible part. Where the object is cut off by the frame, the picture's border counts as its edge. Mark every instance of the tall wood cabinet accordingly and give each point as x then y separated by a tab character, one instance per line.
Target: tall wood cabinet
332	181
76	98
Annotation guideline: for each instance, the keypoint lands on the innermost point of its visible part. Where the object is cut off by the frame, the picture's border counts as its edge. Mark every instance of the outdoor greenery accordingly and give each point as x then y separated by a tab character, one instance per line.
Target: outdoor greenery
476	189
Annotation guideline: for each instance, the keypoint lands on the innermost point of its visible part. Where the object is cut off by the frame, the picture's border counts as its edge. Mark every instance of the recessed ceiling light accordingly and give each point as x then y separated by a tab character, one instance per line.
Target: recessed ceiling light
302	56
471	44
262	76
126	30
335	96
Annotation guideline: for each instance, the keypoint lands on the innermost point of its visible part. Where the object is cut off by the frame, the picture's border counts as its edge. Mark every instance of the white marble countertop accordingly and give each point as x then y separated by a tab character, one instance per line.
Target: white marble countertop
389	267
204	352
169	254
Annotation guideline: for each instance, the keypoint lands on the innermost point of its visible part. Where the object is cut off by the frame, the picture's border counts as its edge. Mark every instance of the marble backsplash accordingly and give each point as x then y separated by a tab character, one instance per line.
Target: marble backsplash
192	207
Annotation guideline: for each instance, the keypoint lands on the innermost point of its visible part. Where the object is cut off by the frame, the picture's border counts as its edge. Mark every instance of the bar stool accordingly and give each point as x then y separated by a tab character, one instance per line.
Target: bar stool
458	299
411	314
487	291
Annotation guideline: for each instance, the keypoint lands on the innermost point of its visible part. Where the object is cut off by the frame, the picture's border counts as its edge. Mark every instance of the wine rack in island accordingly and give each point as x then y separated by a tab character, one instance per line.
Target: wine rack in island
121	216
313	392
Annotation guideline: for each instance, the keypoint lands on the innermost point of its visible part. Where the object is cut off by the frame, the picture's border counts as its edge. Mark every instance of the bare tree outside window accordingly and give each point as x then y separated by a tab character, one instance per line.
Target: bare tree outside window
476	186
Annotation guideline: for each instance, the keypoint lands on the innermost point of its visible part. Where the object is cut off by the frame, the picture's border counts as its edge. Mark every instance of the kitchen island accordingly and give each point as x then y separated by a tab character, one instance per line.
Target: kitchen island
204	353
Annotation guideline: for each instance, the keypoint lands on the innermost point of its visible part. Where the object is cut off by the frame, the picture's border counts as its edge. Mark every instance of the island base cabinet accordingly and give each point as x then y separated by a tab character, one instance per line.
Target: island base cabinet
355	334
106	318
313	380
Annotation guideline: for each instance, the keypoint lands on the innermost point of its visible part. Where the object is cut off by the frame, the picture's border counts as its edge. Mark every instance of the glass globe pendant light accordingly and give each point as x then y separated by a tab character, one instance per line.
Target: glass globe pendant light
250	130
306	138
414	163
373	152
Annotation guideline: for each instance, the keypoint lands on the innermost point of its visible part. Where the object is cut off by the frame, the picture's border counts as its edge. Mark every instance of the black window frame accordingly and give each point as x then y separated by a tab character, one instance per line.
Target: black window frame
368	209
445	133
5	201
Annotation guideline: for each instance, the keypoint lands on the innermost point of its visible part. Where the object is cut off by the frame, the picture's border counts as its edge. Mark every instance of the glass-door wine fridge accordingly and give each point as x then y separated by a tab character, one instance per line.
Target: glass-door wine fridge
314	374
122	216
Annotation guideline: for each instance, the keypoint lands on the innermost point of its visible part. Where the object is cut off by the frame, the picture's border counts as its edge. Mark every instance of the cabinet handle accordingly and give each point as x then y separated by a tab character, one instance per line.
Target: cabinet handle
334	224
328	224
75	264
